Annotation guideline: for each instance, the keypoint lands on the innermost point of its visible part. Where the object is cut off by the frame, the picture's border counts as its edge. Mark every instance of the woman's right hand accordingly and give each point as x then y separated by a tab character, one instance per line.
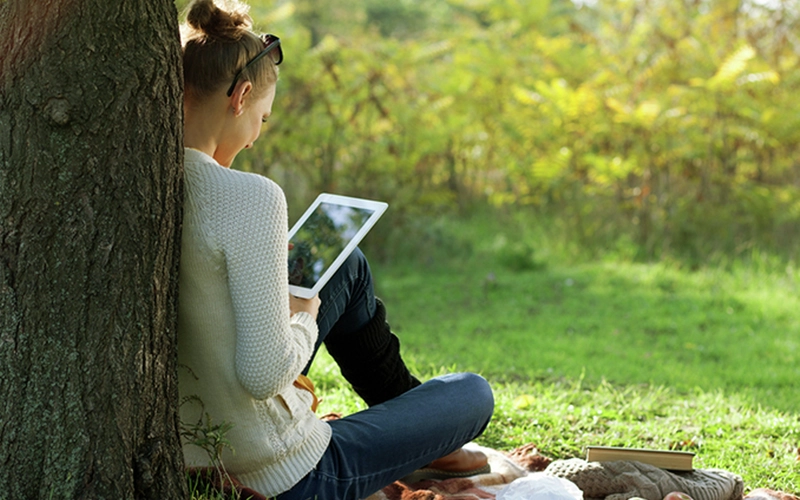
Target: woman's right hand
310	306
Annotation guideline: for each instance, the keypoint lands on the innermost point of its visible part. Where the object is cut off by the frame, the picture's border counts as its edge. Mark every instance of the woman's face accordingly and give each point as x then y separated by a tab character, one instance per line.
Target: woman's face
245	127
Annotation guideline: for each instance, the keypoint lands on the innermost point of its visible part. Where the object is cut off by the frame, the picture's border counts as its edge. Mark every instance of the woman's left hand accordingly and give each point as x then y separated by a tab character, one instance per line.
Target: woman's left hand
310	306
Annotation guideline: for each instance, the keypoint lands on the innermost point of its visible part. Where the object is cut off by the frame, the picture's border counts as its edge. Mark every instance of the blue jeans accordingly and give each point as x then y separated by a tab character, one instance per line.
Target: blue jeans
347	301
374	447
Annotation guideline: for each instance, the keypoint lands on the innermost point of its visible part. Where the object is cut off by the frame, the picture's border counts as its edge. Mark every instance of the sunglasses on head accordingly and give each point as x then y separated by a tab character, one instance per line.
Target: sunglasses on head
272	44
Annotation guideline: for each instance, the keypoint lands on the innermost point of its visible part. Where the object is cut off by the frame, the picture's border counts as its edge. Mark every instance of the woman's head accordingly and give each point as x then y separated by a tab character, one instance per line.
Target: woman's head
230	75
220	47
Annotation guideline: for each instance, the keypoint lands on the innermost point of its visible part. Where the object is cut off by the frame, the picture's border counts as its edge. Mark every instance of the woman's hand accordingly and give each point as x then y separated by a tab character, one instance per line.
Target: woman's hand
296	304
311	306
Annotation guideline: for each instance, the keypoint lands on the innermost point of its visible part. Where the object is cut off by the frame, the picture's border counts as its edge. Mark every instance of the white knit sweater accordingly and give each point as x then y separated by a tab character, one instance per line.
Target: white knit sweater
239	352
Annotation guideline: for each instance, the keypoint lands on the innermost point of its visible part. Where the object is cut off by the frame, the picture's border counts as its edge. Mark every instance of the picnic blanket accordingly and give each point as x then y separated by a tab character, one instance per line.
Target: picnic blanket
607	481
505	469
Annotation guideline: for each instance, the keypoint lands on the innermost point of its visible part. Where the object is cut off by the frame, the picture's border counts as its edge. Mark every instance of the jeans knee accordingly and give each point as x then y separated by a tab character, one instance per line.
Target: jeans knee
357	264
483	393
476	391
475	384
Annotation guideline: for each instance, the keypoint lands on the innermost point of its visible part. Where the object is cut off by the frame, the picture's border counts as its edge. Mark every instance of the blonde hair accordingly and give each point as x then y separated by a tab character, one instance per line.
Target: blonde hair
217	42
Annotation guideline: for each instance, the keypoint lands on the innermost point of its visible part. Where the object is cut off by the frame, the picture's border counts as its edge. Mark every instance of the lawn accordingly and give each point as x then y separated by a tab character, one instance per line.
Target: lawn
606	351
600	350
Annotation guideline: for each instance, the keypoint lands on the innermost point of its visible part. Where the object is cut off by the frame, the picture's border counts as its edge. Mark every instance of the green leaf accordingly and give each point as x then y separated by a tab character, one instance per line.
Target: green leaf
733	66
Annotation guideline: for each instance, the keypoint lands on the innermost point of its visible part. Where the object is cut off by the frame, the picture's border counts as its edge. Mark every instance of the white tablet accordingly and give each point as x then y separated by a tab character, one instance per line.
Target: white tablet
324	237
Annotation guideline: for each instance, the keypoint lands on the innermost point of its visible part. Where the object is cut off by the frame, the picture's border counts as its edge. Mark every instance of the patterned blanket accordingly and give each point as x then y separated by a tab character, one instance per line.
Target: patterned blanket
606	481
485	486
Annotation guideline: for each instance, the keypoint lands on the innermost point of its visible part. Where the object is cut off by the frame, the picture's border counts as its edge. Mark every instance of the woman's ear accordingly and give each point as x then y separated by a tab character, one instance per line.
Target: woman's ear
240	94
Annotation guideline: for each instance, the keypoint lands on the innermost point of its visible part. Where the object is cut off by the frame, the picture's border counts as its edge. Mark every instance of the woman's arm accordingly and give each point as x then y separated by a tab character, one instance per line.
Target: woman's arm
272	347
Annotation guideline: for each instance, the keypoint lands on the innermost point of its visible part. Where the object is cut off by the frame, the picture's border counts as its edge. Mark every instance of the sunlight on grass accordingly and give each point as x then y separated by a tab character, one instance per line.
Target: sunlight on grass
563	417
735	330
607	351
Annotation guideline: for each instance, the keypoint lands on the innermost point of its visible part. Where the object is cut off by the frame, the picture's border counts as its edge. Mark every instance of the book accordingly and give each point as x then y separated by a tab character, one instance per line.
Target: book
664	459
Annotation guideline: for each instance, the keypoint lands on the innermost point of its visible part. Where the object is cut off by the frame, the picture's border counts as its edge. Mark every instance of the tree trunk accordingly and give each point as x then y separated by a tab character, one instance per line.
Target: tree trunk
90	206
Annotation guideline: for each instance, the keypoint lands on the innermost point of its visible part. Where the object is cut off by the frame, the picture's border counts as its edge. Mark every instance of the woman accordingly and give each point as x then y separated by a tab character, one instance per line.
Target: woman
245	343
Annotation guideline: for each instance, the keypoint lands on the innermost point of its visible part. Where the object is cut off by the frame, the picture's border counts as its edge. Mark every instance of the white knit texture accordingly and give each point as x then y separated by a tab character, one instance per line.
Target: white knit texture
622	479
241	350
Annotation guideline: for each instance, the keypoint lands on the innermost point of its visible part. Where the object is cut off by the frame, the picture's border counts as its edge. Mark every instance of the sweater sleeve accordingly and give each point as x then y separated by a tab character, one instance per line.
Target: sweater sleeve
271	348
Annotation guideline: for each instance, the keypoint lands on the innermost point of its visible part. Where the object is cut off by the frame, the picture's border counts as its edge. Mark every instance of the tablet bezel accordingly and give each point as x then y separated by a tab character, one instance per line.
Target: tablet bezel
378	208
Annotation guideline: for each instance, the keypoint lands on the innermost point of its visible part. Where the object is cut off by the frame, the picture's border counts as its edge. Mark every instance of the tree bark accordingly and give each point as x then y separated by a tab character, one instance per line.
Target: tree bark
90	206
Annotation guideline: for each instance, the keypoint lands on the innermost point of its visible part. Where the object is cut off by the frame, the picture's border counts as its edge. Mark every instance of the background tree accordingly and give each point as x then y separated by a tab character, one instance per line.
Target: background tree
659	129
90	191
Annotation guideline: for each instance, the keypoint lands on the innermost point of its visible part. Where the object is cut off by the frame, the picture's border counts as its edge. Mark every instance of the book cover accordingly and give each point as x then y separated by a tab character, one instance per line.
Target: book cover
664	459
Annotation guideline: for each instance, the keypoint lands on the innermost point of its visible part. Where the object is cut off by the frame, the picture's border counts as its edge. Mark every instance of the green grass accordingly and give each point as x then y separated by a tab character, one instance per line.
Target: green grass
603	351
526	311
608	351
564	416
626	323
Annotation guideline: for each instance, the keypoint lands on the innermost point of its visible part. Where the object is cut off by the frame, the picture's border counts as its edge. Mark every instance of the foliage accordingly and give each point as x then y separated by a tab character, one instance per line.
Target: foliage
618	130
672	125
210	437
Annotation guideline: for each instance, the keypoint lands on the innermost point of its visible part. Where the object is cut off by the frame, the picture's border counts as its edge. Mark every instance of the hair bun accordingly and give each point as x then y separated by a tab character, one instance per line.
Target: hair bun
228	22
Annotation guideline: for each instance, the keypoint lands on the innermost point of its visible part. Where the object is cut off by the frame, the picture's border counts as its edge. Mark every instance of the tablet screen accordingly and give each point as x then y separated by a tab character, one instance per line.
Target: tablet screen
321	239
